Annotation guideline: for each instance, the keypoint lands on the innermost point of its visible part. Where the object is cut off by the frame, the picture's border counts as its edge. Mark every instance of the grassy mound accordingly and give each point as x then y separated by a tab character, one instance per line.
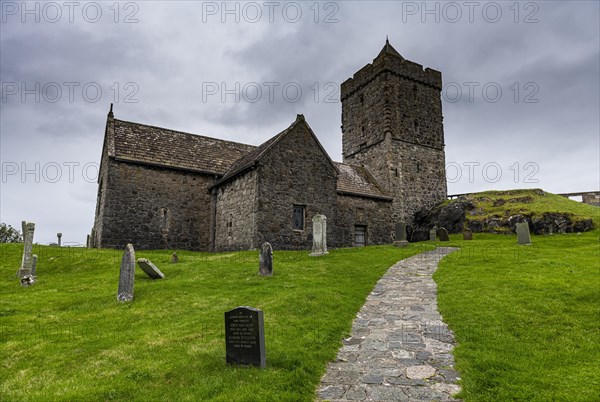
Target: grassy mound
498	211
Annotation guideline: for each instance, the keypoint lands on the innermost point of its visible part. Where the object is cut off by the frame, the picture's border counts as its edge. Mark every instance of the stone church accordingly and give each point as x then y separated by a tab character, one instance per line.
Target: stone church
160	188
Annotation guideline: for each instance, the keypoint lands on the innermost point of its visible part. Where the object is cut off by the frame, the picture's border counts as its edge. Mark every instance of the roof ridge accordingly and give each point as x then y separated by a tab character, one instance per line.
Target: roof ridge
183	132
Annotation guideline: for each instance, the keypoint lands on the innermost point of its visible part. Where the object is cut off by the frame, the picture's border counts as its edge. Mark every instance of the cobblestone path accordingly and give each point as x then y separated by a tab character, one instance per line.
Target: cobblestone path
400	349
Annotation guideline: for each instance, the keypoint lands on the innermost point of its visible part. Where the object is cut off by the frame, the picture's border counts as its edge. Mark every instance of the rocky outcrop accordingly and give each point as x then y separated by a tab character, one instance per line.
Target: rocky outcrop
464	213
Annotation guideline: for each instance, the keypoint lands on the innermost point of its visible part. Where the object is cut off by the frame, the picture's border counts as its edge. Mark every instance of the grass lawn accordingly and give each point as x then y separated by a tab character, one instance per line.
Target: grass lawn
527	318
67	338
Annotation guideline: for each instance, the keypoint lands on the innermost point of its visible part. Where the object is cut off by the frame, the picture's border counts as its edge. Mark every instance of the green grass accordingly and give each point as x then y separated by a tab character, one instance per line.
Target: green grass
531	202
67	338
526	318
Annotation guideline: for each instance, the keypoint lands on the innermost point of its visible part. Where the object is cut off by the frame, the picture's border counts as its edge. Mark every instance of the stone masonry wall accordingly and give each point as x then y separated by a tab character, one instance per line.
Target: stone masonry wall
155	208
591	199
422	178
372	213
295	171
103	180
236	214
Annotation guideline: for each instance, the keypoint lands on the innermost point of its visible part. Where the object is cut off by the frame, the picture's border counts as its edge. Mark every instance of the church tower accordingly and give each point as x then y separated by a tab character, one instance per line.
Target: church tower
392	125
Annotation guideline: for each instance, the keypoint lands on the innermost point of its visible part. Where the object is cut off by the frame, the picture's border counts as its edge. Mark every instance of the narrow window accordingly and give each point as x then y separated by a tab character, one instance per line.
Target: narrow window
164	219
416	127
414	92
230	225
99	197
298	217
418	167
360	238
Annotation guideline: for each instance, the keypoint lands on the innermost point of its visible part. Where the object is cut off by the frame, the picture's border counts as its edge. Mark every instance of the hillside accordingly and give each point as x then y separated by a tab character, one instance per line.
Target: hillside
499	211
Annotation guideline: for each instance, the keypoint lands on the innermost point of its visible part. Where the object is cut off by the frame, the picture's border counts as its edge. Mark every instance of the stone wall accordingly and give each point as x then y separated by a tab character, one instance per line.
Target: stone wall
422	175
103	179
154	208
591	199
372	213
236	214
295	171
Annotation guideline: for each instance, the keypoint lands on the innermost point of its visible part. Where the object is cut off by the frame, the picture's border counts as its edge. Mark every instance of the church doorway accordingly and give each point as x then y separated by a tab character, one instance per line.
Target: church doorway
360	239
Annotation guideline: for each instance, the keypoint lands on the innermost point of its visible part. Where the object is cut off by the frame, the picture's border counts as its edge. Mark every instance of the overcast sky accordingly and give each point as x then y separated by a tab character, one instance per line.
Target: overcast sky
520	100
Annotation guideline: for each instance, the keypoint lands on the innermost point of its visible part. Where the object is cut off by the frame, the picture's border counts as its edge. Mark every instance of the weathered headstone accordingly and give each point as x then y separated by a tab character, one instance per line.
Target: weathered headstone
433	234
400	231
400	235
27	260
467	234
523	236
442	233
127	275
150	269
59	237
34	259
319	235
266	260
174	258
245	337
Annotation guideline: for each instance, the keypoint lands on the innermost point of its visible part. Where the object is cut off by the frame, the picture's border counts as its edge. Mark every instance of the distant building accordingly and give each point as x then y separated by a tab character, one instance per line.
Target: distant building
160	188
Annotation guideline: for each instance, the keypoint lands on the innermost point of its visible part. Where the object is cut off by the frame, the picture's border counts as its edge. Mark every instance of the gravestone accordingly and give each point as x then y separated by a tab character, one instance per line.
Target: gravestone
174	258
467	234
319	235
442	233
150	269
27	260
34	259
523	236
127	275
245	337
400	235
266	260
59	237
433	234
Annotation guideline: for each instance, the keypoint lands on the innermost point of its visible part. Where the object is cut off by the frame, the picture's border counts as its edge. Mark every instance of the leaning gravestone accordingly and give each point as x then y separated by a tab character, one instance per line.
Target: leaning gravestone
265	267
467	234
433	234
442	233
400	235
245	337
174	258
319	235
27	260
127	275
523	235
150	269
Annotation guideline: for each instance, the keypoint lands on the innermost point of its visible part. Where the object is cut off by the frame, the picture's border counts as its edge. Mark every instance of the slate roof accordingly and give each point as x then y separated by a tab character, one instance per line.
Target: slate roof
358	181
160	146
140	143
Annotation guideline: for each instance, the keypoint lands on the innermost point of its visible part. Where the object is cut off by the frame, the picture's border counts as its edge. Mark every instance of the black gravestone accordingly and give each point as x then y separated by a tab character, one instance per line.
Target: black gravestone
245	337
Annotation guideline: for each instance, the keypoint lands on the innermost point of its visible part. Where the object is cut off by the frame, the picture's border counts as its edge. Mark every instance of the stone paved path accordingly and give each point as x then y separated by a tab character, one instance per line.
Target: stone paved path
400	349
